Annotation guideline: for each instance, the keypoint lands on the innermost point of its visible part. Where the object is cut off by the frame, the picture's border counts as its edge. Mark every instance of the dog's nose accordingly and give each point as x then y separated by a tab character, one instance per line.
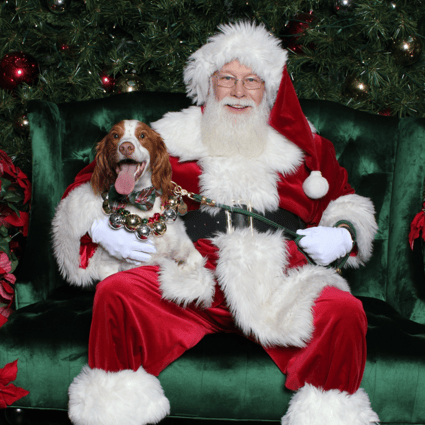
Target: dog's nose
127	148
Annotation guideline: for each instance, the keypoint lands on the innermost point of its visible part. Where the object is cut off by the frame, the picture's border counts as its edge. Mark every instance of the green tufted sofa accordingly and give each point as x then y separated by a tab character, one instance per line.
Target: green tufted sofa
228	377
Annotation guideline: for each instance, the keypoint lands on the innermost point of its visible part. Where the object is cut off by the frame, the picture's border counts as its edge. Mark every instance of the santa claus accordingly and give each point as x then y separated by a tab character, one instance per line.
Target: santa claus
246	143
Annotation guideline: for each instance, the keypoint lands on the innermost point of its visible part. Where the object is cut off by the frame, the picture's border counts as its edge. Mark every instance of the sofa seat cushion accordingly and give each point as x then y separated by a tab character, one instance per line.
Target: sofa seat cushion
224	377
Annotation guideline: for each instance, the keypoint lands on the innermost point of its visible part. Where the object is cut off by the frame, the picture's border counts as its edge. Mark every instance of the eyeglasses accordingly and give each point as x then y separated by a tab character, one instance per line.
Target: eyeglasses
228	81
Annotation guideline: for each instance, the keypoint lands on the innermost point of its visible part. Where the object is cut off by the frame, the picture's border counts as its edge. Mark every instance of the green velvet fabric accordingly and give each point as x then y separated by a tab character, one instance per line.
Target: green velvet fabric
227	377
223	377
385	160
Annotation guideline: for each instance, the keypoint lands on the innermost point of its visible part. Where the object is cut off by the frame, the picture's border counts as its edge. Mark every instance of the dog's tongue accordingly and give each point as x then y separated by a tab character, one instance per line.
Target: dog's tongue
124	184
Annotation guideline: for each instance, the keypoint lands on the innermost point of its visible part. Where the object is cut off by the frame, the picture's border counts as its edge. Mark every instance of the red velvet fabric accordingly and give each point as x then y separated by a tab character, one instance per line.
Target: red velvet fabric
133	326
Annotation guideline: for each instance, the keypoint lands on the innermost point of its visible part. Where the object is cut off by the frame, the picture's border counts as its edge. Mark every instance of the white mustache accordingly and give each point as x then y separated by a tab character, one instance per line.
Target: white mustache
237	102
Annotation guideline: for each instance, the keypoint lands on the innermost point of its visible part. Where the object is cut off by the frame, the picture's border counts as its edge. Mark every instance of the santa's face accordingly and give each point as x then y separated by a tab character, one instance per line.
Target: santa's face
238	91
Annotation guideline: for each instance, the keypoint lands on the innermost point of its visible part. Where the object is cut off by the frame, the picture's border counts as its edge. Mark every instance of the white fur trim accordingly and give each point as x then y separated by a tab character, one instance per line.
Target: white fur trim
266	301
226	180
315	186
97	397
73	218
253	46
313	406
185	285
359	211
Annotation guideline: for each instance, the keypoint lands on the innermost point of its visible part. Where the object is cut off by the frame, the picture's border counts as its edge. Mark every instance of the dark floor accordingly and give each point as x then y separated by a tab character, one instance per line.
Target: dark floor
43	417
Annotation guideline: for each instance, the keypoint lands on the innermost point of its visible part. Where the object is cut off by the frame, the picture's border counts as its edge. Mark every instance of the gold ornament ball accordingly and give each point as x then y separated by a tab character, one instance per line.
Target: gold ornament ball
128	83
407	51
356	88
132	221
159	228
58	6
21	124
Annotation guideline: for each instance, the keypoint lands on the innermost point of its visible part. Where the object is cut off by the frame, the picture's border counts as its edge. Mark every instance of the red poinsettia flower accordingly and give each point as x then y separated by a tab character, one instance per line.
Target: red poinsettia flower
6	279
10	393
417	227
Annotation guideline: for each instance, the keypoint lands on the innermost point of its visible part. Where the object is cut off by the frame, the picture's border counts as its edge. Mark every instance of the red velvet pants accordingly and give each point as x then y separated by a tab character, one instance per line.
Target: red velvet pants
133	326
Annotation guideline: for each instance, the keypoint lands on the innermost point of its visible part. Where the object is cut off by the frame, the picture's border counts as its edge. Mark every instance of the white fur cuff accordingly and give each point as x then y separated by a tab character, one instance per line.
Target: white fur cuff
313	406
97	397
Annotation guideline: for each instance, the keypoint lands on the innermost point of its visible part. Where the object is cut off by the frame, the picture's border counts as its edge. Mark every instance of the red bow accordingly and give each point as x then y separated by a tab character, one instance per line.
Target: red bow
9	393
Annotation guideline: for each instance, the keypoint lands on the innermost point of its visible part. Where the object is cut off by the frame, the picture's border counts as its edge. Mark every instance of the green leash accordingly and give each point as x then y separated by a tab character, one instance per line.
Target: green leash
337	264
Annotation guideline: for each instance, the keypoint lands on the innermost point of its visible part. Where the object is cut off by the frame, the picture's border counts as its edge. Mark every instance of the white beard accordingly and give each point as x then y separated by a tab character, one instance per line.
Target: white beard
226	134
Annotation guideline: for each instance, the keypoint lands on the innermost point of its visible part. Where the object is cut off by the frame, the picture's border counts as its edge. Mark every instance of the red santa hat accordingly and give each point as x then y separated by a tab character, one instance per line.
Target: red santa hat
289	120
255	47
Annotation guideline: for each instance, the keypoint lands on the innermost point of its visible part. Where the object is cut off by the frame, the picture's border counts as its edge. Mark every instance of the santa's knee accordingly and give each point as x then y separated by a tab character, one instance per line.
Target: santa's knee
342	315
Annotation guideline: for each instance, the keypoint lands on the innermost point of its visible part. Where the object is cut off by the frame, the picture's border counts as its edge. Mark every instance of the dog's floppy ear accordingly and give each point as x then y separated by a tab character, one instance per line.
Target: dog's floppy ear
103	175
161	167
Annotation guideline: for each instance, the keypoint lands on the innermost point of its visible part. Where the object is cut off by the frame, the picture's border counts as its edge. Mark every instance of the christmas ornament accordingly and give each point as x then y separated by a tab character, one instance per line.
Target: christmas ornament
356	88
344	7
143	227
58	6
406	51
386	112
17	68
108	81
295	28
22	124
128	83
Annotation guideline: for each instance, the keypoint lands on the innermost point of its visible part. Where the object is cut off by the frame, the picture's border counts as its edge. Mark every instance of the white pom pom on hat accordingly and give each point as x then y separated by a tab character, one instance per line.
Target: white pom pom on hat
315	186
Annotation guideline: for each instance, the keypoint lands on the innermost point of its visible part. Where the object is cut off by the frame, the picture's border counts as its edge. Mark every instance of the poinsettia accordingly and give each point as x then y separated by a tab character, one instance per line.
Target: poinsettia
10	393
15	195
417	227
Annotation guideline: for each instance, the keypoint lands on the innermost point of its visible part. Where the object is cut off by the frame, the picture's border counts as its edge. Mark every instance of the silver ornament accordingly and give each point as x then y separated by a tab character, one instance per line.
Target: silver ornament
116	221
170	214
159	228
344	7
143	232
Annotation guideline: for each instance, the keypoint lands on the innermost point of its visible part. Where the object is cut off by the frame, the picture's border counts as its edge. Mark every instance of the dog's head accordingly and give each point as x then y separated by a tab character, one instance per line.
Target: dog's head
132	156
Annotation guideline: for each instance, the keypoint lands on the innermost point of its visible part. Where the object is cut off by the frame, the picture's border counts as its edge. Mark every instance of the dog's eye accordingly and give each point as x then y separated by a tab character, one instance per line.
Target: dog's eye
116	136
142	136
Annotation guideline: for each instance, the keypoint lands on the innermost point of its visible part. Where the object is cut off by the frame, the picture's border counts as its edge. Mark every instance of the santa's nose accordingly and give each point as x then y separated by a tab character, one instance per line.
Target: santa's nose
127	148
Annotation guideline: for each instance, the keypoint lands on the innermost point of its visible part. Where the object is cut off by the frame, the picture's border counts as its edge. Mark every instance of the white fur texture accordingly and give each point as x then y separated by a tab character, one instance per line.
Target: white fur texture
97	397
313	406
252	45
228	180
360	212
185	285
268	302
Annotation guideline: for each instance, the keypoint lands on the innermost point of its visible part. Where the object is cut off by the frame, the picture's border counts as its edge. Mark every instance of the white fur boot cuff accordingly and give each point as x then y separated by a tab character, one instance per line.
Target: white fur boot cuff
313	406
97	397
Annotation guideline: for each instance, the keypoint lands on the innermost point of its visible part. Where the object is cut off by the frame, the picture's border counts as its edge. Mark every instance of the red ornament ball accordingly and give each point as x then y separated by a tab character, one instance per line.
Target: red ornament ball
108	81
295	28
17	68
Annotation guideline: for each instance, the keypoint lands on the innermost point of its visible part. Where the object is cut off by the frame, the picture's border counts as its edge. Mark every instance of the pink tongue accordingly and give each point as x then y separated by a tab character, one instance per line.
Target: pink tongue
124	184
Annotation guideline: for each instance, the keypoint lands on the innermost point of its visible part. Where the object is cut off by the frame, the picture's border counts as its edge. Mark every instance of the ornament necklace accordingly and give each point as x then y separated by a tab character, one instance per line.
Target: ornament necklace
145	227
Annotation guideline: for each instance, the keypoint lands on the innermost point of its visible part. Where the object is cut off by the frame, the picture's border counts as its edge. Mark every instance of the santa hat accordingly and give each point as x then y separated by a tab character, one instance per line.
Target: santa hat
256	48
289	120
252	45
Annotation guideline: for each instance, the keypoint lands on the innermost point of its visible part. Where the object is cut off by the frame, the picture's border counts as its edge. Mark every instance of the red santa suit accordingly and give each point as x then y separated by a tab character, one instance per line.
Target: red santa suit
264	288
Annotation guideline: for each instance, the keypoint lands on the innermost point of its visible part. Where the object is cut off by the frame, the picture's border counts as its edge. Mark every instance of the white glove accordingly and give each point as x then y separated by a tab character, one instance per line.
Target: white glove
325	244
120	243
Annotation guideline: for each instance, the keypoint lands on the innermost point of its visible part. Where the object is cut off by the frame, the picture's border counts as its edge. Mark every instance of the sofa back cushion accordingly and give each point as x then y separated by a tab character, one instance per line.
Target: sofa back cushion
383	156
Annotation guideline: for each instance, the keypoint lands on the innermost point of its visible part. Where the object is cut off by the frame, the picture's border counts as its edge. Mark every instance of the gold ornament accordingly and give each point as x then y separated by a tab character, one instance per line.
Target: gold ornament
356	88
22	124
406	51
128	83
